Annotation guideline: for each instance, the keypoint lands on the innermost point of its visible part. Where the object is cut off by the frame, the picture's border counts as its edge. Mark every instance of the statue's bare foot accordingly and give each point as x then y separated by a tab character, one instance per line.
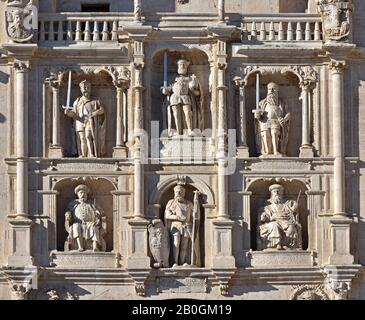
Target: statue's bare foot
174	265
185	265
81	250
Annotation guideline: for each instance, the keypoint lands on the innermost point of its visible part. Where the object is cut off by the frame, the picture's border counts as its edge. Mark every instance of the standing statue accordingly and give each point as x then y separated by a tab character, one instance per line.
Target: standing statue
89	123
278	222
84	223
272	131
182	219
185	101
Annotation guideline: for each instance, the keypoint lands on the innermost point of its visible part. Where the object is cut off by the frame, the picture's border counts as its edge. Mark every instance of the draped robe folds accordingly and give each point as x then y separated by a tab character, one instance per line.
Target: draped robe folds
279	225
86	221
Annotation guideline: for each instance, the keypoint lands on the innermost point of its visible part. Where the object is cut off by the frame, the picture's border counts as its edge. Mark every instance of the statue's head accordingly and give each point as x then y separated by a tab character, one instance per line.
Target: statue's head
273	93
277	192
85	88
179	192
17	16
82	191
182	66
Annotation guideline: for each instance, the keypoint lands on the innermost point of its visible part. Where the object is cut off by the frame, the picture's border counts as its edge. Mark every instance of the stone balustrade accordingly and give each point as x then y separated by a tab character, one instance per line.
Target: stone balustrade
281	27
70	27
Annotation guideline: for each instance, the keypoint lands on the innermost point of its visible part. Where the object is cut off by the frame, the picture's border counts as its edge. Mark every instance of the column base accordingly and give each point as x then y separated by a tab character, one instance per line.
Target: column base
120	152
139	258
306	152
340	230
223	257
243	152
55	152
21	242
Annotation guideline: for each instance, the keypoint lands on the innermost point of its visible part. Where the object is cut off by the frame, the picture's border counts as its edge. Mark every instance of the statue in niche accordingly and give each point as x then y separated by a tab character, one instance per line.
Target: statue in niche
85	223
16	24
278	222
185	101
336	18
182	219
273	123
90	123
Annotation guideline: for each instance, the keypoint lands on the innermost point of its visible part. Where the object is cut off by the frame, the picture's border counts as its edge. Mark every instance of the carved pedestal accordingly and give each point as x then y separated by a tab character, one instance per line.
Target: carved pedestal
20	242
340	230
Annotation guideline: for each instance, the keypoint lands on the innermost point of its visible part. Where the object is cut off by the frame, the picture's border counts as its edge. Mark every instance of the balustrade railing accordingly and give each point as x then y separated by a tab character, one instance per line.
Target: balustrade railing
76	27
281	27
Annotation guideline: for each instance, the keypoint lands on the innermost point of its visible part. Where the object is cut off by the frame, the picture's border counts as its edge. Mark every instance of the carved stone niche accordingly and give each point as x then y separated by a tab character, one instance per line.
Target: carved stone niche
198	67
99	196
165	229
292	191
102	90
289	94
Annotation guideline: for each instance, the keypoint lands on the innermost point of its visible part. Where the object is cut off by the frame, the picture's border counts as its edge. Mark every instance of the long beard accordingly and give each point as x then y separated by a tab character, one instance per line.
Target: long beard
273	99
275	199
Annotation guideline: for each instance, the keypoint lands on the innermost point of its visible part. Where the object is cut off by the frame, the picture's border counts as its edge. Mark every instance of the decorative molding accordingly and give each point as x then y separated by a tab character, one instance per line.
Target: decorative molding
305	74
336	66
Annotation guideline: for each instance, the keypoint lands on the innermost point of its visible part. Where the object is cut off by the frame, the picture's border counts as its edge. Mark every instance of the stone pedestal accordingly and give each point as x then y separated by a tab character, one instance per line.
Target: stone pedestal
242	152
120	152
340	230
55	152
279	259
21	242
222	256
138	257
306	152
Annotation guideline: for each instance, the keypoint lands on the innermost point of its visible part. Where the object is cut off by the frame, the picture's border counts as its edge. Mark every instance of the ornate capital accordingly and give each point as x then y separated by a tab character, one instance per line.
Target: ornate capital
337	67
239	82
21	66
336	19
54	79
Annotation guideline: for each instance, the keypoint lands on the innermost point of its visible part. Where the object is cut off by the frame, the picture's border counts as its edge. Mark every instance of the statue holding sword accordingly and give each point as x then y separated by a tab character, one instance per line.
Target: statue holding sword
89	120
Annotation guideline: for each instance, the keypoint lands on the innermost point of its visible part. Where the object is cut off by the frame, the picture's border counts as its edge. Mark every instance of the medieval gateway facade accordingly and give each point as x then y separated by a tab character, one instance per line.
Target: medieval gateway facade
182	149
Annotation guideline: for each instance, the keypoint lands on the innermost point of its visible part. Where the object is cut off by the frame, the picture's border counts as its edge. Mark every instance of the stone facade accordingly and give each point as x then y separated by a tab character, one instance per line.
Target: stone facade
88	99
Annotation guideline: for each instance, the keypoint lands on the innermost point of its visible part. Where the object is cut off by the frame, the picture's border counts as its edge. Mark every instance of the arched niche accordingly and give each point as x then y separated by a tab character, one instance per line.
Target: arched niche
199	66
164	192
102	89
290	93
292	189
100	192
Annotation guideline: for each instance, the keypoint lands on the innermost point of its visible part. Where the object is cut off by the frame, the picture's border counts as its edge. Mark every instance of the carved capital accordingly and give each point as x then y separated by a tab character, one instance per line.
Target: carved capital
21	66
239	82
54	80
337	67
19	291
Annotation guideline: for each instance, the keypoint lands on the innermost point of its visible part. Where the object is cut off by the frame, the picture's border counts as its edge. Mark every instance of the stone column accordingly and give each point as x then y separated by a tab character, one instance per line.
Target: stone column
242	149
221	11
223	225
340	223
120	151
137	11
55	150
306	149
20	223
138	249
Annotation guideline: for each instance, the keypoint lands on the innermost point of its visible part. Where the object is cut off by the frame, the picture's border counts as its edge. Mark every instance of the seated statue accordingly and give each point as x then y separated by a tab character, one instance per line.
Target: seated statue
84	223
278	223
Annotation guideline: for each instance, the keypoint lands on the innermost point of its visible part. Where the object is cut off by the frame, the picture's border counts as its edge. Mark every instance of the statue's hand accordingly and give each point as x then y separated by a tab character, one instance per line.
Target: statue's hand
165	90
257	114
68	216
281	121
